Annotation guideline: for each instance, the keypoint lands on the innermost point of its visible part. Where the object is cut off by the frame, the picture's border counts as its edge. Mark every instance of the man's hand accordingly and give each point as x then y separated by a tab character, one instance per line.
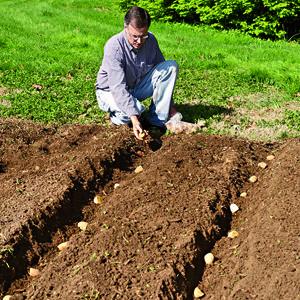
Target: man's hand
137	127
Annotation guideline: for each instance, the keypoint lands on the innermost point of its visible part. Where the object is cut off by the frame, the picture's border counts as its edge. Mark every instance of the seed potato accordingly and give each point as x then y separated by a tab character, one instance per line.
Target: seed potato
138	169
270	157
253	179
209	258
233	208
262	165
98	199
198	293
233	234
34	272
82	225
63	246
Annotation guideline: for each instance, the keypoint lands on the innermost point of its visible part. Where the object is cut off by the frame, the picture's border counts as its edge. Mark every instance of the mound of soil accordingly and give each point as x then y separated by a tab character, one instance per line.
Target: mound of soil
147	235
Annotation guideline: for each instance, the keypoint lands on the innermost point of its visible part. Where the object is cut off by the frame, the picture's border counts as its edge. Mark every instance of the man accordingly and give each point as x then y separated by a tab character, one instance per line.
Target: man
133	69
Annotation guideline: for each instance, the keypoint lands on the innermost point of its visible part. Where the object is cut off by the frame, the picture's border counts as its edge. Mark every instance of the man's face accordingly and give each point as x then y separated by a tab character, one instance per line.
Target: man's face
136	36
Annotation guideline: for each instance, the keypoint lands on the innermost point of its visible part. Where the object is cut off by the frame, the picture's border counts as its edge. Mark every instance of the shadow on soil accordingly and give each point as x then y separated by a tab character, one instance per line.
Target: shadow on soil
192	113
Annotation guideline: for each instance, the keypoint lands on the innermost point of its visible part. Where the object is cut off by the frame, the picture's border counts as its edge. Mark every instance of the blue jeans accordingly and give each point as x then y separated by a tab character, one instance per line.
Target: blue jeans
159	84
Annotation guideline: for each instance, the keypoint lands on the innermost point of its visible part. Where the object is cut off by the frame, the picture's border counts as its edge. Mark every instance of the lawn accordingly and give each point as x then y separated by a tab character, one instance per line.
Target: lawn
50	52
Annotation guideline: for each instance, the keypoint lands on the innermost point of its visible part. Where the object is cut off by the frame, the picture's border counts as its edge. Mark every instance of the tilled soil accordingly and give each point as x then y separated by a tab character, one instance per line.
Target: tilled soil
147	237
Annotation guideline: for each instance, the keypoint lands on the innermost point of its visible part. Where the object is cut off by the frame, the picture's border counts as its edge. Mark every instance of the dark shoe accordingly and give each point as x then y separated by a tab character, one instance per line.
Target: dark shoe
156	132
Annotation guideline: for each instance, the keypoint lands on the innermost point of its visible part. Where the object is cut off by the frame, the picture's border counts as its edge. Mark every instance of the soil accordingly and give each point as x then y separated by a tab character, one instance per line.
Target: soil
147	236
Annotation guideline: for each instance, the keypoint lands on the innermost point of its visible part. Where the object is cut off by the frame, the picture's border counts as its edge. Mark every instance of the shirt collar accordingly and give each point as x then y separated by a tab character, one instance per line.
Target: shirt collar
126	41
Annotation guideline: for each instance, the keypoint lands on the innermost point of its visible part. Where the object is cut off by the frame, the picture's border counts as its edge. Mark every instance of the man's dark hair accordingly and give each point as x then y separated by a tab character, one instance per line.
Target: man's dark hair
138	16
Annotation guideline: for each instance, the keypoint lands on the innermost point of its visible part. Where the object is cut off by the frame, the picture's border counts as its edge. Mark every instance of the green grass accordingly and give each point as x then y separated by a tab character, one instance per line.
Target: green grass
240	85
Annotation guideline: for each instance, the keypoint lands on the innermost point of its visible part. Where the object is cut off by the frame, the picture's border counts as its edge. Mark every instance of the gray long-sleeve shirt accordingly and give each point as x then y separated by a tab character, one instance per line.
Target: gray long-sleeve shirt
123	67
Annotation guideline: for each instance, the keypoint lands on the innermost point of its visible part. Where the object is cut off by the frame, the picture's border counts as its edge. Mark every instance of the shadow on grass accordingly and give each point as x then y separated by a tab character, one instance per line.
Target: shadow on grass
192	113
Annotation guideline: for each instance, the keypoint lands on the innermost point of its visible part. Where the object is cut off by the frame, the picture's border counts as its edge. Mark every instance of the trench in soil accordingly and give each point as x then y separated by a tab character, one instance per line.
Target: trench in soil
184	282
39	238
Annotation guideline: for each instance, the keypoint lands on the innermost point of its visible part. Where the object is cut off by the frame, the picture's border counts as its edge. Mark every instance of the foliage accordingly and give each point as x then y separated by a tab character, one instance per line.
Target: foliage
275	19
159	9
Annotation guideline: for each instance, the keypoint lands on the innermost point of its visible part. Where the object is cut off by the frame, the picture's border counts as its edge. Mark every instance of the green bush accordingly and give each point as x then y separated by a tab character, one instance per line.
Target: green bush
274	19
159	9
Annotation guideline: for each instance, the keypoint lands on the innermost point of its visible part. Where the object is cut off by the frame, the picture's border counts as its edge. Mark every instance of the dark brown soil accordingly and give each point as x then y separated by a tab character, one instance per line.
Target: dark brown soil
147	238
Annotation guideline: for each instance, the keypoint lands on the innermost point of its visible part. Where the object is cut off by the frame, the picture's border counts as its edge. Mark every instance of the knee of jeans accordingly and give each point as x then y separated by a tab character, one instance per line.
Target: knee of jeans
118	118
102	105
173	66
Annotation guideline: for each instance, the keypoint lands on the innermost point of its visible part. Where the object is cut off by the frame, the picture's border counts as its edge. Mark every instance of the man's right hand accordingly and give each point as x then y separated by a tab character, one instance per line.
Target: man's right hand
137	127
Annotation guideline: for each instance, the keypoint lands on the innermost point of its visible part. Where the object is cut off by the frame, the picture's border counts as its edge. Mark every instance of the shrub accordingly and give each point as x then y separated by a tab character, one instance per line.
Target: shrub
274	19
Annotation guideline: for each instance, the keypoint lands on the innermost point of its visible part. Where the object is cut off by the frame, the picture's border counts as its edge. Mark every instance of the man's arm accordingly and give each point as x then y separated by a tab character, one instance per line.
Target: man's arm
118	86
